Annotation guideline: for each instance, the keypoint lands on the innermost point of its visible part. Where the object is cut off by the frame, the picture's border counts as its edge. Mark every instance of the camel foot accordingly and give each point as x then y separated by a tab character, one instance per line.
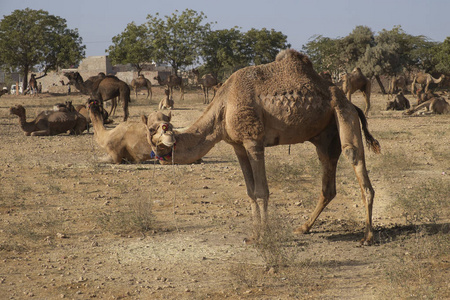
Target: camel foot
366	242
302	229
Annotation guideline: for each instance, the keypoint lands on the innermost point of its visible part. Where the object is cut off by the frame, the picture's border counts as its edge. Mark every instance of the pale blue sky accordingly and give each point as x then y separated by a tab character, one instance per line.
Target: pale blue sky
98	20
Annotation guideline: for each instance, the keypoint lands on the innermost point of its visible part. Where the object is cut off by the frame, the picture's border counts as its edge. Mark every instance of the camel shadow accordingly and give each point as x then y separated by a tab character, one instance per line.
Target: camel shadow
384	235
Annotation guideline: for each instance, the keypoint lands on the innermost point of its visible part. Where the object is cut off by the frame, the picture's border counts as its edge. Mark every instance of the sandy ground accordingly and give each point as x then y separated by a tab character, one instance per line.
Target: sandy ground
72	227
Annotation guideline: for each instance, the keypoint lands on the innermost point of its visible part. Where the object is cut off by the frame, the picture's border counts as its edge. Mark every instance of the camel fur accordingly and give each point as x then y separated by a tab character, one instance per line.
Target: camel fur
396	85
425	79
142	82
166	102
127	142
356	81
50	122
280	103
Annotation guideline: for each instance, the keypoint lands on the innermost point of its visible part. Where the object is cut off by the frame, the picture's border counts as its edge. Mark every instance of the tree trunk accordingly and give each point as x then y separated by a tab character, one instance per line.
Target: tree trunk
25	79
377	77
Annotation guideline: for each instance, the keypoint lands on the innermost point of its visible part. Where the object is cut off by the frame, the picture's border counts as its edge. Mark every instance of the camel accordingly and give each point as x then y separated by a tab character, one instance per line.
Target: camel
170	82
32	86
399	103
142	82
425	79
396	84
3	91
207	81
326	75
127	142
102	88
50	122
166	102
436	105
355	81
280	103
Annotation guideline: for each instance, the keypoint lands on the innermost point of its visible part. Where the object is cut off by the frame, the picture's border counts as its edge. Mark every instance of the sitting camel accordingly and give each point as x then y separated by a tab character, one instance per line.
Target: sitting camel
3	91
355	81
127	142
399	103
425	79
50	122
166	102
142	82
436	105
280	103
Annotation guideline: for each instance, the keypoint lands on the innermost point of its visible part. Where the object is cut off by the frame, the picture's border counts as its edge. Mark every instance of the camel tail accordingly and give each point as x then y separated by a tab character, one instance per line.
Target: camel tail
372	143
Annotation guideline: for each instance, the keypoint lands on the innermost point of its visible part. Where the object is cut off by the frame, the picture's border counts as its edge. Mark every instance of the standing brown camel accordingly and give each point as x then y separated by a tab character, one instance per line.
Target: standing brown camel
32	86
171	81
102	88
142	82
207	81
424	79
280	103
355	81
396	84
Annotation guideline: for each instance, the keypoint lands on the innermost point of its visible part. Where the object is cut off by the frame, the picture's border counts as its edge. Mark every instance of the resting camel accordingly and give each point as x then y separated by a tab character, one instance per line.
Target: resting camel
436	105
102	88
166	102
280	103
425	79
127	142
355	81
171	81
50	122
399	103
207	81
396	84
3	91
142	82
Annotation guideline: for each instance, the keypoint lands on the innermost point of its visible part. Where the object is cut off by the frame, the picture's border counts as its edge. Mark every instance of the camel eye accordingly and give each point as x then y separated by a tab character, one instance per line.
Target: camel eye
152	131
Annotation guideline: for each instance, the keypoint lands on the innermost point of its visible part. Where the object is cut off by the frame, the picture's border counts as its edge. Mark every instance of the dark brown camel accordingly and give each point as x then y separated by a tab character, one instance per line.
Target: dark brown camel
102	88
399	103
32	86
207	81
142	82
171	81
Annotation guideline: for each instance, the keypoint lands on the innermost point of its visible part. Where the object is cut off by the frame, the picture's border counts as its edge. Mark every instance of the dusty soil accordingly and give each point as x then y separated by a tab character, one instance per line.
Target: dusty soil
72	227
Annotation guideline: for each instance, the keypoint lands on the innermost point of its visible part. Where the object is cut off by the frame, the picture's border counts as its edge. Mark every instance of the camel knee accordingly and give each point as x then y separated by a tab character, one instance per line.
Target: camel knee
351	153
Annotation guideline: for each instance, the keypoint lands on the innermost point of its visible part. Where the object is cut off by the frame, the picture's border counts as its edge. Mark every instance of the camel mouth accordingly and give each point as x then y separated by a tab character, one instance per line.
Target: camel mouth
167	140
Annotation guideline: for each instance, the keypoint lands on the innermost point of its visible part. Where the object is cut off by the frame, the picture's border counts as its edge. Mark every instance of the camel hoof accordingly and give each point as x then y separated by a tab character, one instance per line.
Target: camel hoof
366	242
302	229
249	241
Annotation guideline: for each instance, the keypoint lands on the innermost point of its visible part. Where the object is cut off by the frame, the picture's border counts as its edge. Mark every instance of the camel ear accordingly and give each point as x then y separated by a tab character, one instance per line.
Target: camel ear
144	119
170	115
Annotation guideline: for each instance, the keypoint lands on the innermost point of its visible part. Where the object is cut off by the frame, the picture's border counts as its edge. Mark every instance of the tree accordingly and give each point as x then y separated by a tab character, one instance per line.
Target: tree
177	40
441	56
262	46
132	47
353	46
35	40
323	53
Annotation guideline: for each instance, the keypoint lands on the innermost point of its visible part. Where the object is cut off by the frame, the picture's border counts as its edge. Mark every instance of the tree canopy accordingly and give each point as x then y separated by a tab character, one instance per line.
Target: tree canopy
35	40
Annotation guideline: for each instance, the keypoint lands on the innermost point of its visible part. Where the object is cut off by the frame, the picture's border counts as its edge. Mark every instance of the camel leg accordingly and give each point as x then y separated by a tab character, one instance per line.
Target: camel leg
353	149
328	152
41	133
125	109
367	100
251	160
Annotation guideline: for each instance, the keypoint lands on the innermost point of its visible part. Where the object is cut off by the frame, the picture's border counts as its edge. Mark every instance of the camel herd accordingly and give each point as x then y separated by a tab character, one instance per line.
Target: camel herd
280	103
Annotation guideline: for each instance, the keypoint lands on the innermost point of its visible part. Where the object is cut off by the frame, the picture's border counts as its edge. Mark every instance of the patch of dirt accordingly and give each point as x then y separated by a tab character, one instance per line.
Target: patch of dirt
72	227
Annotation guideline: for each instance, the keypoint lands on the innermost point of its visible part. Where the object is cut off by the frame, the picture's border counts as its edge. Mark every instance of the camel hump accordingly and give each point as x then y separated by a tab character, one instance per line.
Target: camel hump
293	54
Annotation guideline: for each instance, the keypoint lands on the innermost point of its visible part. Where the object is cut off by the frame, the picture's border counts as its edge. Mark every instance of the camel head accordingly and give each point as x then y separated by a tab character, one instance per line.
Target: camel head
17	110
73	77
160	134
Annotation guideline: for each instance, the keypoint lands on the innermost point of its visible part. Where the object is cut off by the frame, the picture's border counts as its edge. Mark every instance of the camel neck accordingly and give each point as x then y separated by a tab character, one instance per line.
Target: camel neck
196	141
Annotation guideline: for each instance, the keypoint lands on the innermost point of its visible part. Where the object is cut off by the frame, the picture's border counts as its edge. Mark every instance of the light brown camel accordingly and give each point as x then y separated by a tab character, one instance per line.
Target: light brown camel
127	142
396	84
50	122
207	81
142	82
102	88
166	102
172	81
355	81
280	103
425	79
399	103
436	105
